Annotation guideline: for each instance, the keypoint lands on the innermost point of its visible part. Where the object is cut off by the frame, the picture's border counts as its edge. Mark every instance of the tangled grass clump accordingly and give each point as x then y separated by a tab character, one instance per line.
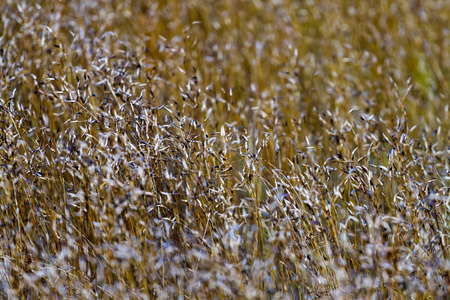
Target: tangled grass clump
224	149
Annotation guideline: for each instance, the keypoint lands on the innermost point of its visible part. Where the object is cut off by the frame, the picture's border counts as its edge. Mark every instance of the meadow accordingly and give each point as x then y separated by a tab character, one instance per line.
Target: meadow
233	149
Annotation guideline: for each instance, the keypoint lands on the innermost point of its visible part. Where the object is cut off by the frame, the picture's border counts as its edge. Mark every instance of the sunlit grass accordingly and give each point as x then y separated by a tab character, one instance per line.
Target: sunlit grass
224	149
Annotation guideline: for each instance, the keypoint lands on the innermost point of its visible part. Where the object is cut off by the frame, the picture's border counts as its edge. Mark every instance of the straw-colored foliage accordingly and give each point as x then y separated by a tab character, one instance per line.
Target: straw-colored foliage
224	149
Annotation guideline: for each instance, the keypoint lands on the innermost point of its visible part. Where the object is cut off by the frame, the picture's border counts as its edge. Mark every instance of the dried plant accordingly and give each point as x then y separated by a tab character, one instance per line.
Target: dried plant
224	149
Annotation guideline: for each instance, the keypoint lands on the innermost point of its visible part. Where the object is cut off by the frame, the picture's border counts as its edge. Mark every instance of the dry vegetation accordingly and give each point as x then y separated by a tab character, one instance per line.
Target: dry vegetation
224	149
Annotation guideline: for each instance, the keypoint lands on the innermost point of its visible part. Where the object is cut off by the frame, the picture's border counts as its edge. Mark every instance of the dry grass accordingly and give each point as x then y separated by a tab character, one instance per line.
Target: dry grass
224	149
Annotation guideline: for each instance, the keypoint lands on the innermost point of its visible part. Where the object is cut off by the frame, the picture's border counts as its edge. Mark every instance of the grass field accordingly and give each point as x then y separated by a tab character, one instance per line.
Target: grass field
234	149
